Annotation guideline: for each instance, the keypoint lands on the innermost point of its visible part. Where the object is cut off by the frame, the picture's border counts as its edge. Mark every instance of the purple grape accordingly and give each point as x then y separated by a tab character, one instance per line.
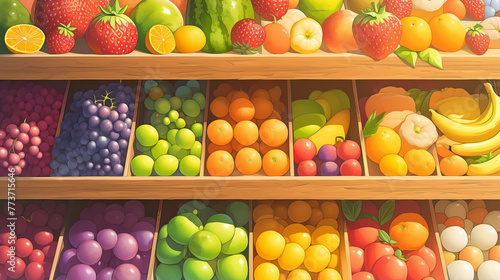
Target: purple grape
114	116
144	239
107	238
118	169
89	252
128	121
106	126
125	134
93	135
114	135
122	108
104	152
68	259
113	146
123	117
119	125
104	112
123	143
106	274
81	231
92	110
93	121
81	272
114	158
330	168
126	247
102	141
327	153
126	271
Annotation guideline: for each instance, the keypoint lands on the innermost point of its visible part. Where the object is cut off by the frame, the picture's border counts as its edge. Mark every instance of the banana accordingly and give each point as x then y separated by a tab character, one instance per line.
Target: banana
474	132
489	167
484	117
478	148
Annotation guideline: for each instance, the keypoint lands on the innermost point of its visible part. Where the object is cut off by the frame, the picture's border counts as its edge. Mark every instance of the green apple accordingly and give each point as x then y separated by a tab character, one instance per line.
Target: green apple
200	99
142	165
146	135
166	165
171	136
190	206
178	152
313	95
319	10
156	118
194	269
176	104
170	252
196	149
205	214
205	245
239	212
222	225
326	107
237	244
180	123
197	129
181	228
149	103
163	232
233	267
306	106
190	165
306	125
191	108
168	272
161	148
185	138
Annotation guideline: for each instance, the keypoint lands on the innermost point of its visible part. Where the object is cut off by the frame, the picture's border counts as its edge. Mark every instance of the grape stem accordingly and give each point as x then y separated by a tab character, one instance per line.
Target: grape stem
106	97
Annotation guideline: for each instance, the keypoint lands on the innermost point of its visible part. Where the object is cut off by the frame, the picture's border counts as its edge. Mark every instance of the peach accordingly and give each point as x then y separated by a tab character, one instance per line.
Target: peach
337	32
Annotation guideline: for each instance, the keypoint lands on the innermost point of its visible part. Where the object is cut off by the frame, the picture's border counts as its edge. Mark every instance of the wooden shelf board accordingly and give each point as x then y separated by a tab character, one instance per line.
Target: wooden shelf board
257	187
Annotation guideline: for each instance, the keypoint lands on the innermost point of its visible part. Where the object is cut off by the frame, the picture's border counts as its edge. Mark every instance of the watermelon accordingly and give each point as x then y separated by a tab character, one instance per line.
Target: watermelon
216	18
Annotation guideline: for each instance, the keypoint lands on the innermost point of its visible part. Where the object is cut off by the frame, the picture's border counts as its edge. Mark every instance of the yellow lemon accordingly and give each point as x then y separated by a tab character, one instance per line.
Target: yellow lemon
317	258
265	225
330	209
329	274
189	39
393	165
448	257
328	222
292	257
266	271
262	211
257	260
328	236
270	245
306	36
420	162
334	262
298	274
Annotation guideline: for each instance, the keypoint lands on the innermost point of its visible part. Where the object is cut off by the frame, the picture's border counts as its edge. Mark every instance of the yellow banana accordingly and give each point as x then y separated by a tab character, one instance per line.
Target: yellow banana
478	148
489	167
470	133
483	118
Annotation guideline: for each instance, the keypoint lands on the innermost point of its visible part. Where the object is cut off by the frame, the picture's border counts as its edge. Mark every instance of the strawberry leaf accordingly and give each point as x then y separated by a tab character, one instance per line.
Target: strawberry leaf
385	238
431	56
407	55
351	210
386	211
371	125
400	255
372	217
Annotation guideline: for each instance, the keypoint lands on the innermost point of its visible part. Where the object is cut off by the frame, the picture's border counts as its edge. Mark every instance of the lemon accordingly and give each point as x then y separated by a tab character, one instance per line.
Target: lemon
334	262
420	162
160	40
327	236
393	165
298	274
329	274
270	245
317	258
306	36
328	222
330	209
189	39
292	257
266	271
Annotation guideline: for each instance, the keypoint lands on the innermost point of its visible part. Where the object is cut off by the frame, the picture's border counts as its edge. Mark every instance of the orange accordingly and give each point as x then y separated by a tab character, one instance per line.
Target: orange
275	93
219	107
299	211
212	148
223	89
246	133
494	253
279	107
220	132
477	215
409	235
241	109
472	255
261	93
416	34
275	115
455	7
24	38
280	208
265	225
273	132
275	163
160	40
441	218
131	5
384	142
409	217
235	94
262	211
277	38
236	146
455	221
228	119
189	39
448	33
264	148
257	260
453	166
248	161
263	108
292	4
328	222
316	216
220	163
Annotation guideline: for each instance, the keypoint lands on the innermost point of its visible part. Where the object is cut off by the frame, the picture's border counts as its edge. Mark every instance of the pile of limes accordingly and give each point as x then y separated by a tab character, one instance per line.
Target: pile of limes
296	240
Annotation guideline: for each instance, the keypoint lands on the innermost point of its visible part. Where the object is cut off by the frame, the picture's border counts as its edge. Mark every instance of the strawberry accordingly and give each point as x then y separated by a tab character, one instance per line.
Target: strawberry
61	39
477	41
377	32
49	13
271	9
112	32
247	36
399	8
474	9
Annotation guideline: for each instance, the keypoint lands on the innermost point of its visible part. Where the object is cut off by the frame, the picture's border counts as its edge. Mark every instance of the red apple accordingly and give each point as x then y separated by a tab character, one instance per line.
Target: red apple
337	32
307	168
356	255
427	255
303	149
362	232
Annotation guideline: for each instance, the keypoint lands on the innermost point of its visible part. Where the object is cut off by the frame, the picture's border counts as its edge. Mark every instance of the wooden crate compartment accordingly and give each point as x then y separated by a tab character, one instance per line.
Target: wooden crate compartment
143	117
343	267
300	89
249	87
433	241
152	209
170	209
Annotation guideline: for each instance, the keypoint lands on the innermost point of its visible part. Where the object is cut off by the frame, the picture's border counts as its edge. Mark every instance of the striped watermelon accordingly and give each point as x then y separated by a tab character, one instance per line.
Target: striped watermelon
216	18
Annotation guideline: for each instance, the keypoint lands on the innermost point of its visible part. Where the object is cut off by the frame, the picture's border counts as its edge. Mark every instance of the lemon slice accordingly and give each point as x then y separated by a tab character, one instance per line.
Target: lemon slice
306	36
24	38
160	40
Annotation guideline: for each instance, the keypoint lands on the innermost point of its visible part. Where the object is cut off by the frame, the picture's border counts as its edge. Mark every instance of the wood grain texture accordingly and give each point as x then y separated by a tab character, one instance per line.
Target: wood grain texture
257	187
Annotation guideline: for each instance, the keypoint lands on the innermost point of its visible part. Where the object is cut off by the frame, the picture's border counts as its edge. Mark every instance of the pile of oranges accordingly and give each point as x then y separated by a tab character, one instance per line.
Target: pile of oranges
248	132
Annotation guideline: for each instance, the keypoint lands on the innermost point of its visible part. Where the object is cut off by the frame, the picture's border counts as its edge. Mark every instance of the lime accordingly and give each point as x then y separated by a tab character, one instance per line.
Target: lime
161	148
140	147
156	119
173	115
176	102
239	212
205	245
196	149
181	228
197	269
171	136
162	105
178	152
170	252
180	123
149	103
200	99
237	244
166	165
146	135
142	165
191	108
190	165
163	232
197	128
168	272
222	225
162	130
233	267
185	138
166	121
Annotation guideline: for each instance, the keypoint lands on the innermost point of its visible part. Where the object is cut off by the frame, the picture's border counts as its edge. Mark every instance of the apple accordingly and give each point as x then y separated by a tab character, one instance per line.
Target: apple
351	167
168	271
170	252
303	149
337	32
197	269
237	244
221	225
181	228
204	245
233	267
362	232
348	150
307	168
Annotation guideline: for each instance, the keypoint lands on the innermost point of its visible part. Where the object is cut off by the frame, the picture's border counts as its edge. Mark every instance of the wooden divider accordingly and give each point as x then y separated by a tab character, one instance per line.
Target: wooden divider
204	151
436	233
131	140
360	129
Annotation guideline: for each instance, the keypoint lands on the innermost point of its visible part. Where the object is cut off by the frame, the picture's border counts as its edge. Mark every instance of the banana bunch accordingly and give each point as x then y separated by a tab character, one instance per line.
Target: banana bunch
489	167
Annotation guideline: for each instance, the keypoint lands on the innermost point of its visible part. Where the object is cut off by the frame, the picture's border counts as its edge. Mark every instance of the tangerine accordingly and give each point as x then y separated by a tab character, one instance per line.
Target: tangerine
441	218
220	132
275	93
299	211
477	215
262	211
263	108
327	236
313	203
220	163
263	148
453	166
279	107
494	253
261	93
229	120
219	107
270	245
277	38
330	209
455	221
275	163
409	217
212	148
248	161
416	34
246	133
241	109
266	271
273	132
328	222
235	94
409	235
280	208
266	224
316	216
223	89
455	7
257	260
448	33
384	142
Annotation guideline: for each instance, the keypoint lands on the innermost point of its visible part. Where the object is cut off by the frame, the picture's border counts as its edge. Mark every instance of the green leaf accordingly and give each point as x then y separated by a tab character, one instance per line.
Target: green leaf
386	211
385	238
372	123
400	255
351	210
407	54
368	216
431	56
479	159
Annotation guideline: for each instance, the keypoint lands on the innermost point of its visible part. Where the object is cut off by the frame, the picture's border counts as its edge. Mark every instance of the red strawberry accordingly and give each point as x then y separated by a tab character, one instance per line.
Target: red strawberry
399	8
270	9
112	32
49	13
247	36
474	9
477	41
61	39
377	32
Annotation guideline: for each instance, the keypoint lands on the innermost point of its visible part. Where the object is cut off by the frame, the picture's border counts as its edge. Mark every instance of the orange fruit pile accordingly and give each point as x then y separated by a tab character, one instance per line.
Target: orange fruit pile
249	133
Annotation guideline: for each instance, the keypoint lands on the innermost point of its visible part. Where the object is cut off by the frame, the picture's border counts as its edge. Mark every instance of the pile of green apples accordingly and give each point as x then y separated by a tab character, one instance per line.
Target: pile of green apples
200	243
169	143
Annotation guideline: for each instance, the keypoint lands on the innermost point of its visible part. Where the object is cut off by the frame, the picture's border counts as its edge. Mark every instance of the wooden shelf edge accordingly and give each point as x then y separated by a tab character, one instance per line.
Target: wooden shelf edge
258	187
